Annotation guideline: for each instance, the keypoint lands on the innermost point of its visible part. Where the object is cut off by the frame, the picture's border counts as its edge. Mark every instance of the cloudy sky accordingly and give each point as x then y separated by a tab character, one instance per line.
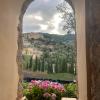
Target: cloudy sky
42	16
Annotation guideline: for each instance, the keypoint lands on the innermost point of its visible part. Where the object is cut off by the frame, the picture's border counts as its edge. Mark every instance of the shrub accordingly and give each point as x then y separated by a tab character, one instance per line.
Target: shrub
71	90
47	90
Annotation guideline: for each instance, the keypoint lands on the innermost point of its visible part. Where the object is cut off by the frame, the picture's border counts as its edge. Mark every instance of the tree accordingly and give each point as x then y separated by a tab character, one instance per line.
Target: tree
71	58
39	65
27	66
42	64
67	14
36	64
31	63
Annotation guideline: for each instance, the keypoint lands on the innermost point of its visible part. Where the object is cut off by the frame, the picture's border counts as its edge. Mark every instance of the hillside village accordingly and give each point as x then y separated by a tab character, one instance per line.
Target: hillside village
33	42
49	53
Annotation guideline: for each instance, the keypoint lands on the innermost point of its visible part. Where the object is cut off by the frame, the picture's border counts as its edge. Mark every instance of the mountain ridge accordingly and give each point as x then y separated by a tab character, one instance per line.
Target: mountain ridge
49	38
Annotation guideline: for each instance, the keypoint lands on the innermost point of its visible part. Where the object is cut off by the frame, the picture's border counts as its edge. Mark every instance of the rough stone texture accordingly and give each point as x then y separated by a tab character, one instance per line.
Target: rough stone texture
93	48
19	62
20	47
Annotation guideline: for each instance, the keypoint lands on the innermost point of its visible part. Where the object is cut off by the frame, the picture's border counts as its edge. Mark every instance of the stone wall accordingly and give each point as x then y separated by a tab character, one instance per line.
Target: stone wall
93	48
9	19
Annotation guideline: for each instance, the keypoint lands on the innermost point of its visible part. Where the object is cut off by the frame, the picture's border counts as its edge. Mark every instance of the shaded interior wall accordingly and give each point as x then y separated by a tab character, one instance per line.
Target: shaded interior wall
93	48
9	13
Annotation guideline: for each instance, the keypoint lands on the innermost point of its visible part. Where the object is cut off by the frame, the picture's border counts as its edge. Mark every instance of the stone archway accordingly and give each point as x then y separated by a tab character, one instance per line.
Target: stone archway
81	71
20	43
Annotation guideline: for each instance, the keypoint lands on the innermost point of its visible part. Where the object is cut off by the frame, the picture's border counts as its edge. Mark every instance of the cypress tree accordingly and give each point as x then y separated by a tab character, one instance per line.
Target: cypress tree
27	66
30	63
42	65
39	65
36	64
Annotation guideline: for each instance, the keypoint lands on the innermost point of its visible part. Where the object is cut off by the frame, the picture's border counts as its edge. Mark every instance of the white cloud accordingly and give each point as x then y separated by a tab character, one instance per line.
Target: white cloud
40	18
43	16
33	16
45	1
31	21
43	27
27	18
55	22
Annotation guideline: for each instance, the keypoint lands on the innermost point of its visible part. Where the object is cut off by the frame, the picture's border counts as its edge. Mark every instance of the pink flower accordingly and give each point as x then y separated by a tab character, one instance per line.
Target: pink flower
53	96
47	84
35	82
46	95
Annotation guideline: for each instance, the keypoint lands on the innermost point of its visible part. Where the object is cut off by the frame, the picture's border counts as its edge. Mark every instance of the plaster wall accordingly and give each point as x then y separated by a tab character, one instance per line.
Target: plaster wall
9	19
9	13
79	6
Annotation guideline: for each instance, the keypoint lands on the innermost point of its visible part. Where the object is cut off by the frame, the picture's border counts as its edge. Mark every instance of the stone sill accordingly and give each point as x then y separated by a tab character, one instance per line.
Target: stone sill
61	99
68	99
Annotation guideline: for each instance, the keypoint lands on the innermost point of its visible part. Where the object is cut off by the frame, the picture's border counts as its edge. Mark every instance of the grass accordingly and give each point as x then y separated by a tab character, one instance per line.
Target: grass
44	75
61	76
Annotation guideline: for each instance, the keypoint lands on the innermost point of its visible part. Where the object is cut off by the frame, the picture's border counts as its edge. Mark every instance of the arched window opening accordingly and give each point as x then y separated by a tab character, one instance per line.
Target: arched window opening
49	47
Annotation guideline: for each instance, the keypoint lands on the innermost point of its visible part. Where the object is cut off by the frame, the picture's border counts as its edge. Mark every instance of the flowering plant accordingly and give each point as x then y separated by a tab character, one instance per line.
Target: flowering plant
46	90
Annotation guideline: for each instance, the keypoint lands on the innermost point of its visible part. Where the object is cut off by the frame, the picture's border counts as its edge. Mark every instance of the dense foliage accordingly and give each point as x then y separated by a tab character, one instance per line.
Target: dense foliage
68	16
47	90
61	58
